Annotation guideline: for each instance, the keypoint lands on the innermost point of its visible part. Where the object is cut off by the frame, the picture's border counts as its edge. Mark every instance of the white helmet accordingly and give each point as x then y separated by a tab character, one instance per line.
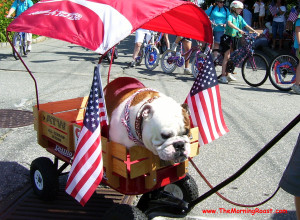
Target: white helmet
237	4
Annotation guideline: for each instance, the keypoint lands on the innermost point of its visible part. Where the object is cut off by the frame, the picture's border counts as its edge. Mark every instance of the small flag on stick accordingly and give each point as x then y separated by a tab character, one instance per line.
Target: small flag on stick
87	167
204	101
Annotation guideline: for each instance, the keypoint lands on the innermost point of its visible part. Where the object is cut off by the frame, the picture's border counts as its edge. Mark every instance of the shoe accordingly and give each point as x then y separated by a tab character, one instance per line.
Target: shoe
230	77
187	71
132	63
296	89
28	48
174	46
223	79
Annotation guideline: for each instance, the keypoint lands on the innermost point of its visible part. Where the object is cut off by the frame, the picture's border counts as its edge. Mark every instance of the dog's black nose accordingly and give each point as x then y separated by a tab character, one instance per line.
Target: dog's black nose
179	146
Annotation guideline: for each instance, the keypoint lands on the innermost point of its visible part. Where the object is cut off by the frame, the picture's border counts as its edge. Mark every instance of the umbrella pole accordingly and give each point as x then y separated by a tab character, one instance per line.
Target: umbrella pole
26	67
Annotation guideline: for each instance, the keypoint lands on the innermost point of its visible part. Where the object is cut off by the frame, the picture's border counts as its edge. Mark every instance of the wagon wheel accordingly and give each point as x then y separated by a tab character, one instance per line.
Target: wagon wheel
185	189
44	178
124	212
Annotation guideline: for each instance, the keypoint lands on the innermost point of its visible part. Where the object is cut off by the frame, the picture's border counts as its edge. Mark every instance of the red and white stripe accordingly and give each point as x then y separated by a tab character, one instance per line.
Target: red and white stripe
84	178
206	113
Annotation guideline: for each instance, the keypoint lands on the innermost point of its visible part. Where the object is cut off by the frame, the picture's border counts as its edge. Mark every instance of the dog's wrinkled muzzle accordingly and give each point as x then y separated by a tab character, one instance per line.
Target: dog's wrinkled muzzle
175	149
179	155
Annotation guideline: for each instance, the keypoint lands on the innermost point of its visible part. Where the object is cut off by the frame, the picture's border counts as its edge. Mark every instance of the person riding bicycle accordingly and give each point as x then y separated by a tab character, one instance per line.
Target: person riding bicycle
20	6
218	15
139	38
233	31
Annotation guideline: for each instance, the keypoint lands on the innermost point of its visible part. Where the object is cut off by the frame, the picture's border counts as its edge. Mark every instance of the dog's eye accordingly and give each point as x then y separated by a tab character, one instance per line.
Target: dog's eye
166	135
187	131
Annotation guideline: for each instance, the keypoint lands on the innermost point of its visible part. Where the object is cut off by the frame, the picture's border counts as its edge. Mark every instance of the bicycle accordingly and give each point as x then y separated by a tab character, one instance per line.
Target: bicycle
149	52
254	66
171	59
19	43
109	56
282	71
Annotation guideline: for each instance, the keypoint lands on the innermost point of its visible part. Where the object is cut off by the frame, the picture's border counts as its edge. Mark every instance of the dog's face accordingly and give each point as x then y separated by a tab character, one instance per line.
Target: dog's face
166	129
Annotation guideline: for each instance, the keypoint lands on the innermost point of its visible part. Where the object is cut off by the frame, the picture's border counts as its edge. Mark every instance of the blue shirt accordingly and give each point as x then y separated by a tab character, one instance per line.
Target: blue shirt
296	45
218	16
21	6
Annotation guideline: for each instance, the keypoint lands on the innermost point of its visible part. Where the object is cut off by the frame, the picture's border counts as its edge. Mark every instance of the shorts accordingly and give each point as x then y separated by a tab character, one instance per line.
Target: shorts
290	181
255	17
217	36
228	42
140	34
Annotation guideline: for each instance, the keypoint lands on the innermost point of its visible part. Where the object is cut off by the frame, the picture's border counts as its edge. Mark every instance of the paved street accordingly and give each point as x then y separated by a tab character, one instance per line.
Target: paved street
253	115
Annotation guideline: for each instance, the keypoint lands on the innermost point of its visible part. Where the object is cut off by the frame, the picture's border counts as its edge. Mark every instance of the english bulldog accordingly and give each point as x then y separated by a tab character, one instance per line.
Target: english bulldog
142	116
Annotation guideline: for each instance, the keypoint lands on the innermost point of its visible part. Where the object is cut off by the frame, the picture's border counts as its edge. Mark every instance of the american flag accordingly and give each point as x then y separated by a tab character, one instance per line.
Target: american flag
273	9
293	15
204	101
87	167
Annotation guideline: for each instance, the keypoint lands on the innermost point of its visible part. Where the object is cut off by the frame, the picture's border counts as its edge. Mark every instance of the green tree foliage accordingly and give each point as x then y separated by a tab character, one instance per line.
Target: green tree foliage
4	22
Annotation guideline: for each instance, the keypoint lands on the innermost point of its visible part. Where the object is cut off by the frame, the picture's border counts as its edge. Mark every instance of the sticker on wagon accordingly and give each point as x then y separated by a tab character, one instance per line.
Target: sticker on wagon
63	151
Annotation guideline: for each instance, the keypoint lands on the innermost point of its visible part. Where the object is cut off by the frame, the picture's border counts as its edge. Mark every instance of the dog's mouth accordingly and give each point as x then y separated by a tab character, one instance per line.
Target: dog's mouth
180	159
177	151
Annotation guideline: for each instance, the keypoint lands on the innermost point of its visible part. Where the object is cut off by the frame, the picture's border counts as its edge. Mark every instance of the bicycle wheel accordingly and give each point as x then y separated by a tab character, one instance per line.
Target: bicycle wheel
197	64
283	71
140	56
152	58
108	57
168	63
17	45
24	44
255	70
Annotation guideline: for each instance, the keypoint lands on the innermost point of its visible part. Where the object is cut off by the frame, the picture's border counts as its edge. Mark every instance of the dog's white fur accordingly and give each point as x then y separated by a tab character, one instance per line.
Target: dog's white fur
163	128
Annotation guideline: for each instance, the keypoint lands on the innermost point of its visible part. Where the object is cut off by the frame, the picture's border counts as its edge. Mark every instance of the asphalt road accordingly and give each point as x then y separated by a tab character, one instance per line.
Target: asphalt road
253	115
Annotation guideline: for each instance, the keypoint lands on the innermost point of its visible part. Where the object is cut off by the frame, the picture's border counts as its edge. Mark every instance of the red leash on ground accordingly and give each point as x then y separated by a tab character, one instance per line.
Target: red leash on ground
224	198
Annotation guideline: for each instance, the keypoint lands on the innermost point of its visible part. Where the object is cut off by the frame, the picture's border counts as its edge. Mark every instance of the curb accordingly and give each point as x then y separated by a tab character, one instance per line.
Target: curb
34	41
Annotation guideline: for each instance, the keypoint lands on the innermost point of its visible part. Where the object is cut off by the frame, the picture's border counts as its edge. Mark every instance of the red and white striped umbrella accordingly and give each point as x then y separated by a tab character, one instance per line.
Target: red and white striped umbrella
100	24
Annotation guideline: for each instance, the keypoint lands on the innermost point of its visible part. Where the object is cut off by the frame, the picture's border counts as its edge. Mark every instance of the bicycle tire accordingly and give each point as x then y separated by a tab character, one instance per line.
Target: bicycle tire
24	44
140	56
16	44
108	57
197	63
167	65
152	58
259	67
283	78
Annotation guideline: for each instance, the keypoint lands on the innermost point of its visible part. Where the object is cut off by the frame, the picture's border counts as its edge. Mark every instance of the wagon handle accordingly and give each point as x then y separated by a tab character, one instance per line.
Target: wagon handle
267	147
28	70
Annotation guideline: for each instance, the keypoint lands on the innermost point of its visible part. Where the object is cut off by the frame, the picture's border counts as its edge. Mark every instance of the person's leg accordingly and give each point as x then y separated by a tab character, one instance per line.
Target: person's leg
223	78
274	33
166	39
175	44
136	50
297	205
217	39
139	38
28	37
297	82
296	86
187	45
280	34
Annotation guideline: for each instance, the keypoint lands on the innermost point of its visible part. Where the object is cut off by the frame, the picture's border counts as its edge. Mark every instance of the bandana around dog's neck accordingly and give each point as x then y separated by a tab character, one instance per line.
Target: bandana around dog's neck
139	116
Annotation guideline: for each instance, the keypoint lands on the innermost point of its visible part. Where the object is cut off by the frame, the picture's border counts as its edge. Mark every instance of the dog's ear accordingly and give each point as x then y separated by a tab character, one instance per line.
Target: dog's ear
147	112
186	108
